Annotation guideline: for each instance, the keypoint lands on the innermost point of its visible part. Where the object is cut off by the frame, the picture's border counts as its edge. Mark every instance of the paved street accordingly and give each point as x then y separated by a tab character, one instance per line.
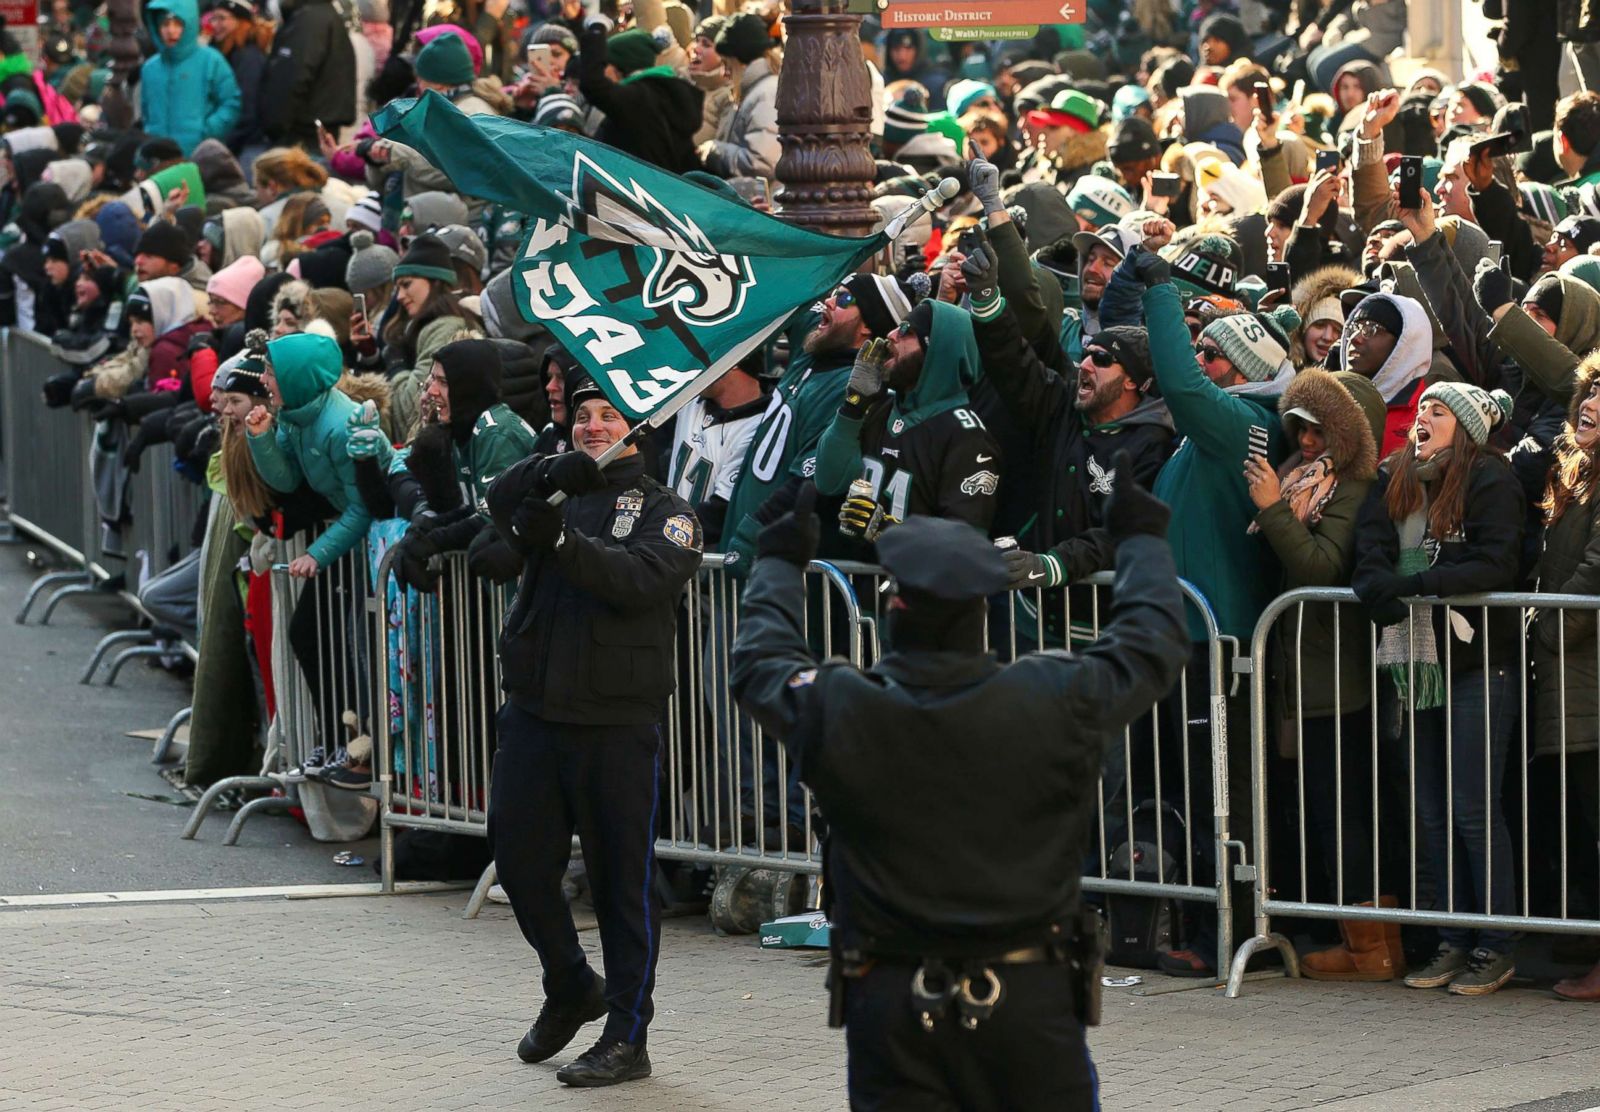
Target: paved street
383	1003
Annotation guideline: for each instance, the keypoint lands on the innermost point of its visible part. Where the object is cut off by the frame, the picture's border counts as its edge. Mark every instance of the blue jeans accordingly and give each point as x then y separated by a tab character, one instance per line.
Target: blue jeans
1463	808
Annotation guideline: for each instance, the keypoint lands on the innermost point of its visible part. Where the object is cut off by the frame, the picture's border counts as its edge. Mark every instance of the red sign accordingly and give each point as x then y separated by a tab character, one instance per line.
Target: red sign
968	13
20	13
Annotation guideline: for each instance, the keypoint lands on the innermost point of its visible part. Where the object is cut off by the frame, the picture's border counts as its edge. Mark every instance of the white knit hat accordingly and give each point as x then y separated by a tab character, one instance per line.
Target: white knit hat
1255	343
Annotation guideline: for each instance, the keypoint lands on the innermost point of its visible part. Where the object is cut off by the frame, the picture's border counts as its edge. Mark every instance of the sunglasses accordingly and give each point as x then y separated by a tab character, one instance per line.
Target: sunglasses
1100	358
903	328
1209	354
843	298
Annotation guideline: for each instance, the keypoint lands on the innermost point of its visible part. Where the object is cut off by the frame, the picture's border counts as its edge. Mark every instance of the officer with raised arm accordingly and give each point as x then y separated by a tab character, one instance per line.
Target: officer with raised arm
959	794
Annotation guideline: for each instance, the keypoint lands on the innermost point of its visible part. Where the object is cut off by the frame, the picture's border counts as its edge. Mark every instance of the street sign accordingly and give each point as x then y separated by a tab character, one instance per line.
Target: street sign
978	14
983	34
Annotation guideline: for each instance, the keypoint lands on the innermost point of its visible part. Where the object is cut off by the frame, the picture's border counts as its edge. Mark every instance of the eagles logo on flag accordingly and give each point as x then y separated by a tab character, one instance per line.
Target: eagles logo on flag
650	281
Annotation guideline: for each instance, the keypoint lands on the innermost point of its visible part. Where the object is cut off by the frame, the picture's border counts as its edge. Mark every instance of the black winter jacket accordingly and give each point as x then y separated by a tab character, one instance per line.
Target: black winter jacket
1484	555
653	118
590	635
311	74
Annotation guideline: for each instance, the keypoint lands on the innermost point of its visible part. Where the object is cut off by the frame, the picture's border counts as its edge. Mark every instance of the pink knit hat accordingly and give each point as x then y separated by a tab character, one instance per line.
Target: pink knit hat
234	282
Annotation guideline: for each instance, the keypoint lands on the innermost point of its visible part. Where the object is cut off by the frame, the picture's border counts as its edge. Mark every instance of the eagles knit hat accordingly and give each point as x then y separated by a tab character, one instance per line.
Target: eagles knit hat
371	263
242	375
1130	346
1098	200
429	257
1133	140
239	9
960	95
1208	264
745	37
366	213
445	61
1129	99
906	118
633	51
882	302
554	34
1477	410
558	110
1212	306
1257	344
165	241
1585	268
710	27
1543	201
1583	231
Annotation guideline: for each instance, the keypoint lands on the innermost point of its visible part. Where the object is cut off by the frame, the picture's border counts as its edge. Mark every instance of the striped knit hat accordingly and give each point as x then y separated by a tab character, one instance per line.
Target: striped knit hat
906	118
1544	202
1477	410
882	302
1098	200
1257	344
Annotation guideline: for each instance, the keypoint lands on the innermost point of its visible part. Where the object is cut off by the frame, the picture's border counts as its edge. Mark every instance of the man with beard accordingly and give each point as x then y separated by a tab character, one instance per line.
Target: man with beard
906	427
1099	252
1074	425
783	450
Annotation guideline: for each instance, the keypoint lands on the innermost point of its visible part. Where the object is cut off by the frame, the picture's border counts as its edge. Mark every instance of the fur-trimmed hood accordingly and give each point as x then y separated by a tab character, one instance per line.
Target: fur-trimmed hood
1346	424
1324	282
294	296
1081	149
1583	380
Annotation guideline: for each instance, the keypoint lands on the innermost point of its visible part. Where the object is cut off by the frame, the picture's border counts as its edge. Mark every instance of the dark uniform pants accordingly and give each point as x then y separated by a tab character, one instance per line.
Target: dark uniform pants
551	779
1029	1055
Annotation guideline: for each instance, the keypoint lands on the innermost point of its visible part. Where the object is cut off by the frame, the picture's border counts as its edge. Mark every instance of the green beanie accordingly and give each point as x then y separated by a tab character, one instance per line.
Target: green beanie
631	51
445	61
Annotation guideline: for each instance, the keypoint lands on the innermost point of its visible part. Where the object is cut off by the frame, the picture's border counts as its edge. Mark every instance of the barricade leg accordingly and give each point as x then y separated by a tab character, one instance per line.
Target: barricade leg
164	743
265	803
480	893
109	642
44	583
87	587
214	792
160	648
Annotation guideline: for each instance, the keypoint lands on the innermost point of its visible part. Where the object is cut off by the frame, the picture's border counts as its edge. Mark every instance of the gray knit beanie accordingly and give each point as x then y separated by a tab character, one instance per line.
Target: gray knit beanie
371	264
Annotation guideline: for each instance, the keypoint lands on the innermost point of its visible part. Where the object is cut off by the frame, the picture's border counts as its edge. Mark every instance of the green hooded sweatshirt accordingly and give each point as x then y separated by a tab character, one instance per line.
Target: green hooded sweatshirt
308	443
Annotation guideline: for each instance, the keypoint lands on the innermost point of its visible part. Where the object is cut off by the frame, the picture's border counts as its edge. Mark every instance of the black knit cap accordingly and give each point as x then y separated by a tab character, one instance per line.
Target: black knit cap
1381	311
874	295
242	375
586	389
921	319
1547	295
1130	346
165	241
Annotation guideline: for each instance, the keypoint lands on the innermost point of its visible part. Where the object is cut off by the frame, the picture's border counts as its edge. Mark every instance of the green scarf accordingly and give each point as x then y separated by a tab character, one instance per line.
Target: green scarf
653	71
1408	648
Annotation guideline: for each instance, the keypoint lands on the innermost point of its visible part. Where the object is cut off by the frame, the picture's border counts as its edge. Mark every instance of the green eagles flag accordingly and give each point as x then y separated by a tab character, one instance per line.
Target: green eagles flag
649	280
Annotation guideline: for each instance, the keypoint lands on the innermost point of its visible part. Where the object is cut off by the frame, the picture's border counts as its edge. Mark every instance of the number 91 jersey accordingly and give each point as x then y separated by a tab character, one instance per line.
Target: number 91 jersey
944	466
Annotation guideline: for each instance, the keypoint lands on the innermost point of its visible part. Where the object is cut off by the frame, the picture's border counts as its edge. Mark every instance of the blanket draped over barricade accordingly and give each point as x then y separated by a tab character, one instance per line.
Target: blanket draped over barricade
650	281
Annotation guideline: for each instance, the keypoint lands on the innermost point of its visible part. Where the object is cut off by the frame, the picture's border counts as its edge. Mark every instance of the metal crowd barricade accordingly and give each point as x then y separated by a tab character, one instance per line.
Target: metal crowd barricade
47	471
310	711
1425	891
730	799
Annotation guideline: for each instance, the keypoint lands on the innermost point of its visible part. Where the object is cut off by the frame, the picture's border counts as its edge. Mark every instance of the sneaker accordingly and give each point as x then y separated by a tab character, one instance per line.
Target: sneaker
1185	963
1446	965
558	1025
608	1062
342	776
1485	972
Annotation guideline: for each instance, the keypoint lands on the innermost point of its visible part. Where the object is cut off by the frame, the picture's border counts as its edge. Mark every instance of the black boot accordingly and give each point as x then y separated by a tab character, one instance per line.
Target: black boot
608	1062
557	1025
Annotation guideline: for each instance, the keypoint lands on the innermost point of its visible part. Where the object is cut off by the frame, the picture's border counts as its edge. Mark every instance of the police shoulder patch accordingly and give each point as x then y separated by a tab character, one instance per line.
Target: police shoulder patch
680	530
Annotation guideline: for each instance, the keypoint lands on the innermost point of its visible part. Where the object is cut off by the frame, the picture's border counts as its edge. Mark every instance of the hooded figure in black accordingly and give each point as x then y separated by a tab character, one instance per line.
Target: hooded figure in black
441	481
556	436
44	207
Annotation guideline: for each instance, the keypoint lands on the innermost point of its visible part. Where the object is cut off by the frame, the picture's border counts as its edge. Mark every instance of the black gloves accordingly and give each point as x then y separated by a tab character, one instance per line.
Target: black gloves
1491	286
794	536
58	389
536	526
713	515
415	550
1151	269
572	473
491	558
1030	569
1132	510
83	394
432	461
982	271
202	341
1381	593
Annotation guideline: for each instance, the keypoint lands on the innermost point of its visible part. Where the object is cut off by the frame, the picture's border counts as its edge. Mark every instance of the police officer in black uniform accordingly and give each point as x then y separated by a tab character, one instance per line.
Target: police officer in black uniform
587	659
959	794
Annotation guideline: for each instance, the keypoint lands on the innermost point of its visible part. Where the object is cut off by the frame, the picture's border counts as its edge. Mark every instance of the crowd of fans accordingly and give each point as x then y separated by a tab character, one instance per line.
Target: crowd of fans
1341	314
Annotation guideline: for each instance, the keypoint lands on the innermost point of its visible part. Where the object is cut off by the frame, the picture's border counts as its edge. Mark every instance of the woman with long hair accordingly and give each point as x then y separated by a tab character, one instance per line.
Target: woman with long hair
282	173
1445	518
1565	664
428	316
303	214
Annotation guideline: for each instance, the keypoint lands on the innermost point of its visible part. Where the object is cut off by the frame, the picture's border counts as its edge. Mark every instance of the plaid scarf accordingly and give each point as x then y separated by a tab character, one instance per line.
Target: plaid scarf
1408	648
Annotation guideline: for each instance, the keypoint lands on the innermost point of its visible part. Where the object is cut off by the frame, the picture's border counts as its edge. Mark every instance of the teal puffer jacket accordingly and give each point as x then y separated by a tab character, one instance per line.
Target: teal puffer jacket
308	444
187	92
